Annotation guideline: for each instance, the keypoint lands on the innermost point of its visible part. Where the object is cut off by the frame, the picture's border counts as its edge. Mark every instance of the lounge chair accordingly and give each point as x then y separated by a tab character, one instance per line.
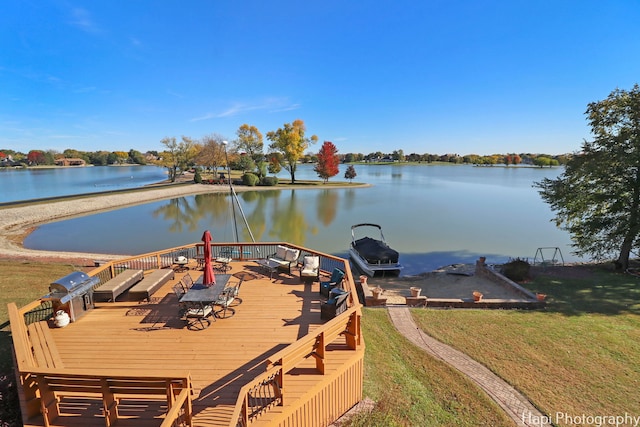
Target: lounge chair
335	281
310	268
335	305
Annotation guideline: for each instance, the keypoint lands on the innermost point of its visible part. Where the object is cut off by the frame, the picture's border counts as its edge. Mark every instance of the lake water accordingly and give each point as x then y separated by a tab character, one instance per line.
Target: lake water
433	215
26	184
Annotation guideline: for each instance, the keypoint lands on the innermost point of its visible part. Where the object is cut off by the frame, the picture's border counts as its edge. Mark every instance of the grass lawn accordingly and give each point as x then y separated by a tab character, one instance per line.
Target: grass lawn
579	356
413	389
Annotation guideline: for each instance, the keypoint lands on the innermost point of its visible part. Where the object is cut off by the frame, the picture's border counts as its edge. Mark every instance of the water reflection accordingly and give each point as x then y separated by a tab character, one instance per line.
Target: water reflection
432	215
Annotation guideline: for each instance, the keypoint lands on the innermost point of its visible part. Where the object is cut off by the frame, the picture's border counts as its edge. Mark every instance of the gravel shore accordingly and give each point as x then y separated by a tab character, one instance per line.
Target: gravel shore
17	222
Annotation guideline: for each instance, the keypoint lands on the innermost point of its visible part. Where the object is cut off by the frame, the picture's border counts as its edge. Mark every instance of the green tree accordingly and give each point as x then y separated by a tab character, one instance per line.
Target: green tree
245	163
99	158
249	141
177	156
291	143
70	153
597	197
543	161
328	161
275	163
350	173
137	157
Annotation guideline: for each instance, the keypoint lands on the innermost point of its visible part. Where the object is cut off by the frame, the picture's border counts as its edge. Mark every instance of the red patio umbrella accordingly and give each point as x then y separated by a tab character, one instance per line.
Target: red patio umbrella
209	278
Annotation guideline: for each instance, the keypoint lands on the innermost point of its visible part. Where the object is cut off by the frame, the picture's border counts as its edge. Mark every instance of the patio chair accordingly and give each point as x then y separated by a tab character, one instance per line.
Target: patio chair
198	315
179	290
335	281
187	281
234	291
225	299
310	269
335	305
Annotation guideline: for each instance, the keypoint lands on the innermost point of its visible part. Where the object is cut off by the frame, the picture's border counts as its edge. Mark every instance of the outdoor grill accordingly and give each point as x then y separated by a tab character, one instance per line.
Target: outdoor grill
73	293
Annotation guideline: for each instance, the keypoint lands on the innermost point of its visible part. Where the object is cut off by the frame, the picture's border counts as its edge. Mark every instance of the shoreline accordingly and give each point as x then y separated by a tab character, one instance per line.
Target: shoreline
17	222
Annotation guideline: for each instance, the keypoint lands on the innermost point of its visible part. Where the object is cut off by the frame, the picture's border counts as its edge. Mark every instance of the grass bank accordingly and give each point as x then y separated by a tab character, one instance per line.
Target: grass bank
579	356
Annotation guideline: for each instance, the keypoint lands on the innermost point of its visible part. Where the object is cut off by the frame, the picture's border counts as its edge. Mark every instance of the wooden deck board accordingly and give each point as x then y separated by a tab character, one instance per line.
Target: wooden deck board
221	359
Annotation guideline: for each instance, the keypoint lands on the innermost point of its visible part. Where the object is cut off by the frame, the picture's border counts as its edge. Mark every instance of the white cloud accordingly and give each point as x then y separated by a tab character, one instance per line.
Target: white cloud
81	18
271	105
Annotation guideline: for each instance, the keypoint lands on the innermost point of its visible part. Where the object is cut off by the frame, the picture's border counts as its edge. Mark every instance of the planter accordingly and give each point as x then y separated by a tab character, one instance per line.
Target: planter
541	297
363	279
376	292
415	291
477	296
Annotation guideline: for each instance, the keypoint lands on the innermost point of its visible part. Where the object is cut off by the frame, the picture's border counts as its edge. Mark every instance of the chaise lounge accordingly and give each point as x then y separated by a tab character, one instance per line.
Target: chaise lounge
113	288
151	283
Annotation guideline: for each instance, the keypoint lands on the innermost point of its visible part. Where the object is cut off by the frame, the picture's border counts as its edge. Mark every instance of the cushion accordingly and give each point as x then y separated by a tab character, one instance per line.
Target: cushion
280	252
291	255
311	263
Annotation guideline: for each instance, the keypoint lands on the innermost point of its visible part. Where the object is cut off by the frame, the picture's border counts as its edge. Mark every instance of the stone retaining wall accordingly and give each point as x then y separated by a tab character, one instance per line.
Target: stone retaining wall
483	271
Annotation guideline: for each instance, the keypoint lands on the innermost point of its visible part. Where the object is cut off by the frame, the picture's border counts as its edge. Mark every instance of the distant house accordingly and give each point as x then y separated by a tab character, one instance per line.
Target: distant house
70	162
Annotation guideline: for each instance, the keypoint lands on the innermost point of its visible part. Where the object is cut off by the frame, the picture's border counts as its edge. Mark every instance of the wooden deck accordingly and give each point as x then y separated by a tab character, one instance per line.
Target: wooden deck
140	338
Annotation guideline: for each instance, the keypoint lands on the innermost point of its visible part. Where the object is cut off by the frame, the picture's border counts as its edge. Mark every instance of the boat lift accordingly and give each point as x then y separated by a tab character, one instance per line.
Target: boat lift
553	257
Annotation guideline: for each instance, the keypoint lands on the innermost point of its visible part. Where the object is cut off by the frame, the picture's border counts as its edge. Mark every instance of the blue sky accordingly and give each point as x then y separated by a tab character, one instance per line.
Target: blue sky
423	76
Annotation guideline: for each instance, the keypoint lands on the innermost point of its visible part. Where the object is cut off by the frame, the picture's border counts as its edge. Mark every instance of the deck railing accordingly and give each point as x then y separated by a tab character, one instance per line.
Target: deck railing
271	384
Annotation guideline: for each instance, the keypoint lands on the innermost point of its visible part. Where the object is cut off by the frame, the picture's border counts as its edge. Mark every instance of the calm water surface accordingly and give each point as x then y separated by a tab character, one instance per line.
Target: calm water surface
25	184
433	215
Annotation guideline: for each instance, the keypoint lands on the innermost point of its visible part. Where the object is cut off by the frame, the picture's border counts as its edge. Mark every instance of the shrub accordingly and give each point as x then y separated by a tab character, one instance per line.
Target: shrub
516	269
197	178
250	179
270	181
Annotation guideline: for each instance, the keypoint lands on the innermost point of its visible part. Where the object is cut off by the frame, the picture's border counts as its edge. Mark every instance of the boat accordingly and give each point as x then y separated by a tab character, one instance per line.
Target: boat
373	256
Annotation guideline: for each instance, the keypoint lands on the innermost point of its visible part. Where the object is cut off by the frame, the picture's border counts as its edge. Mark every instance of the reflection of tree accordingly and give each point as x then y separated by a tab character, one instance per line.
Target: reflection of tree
349	199
180	213
257	217
289	223
327	206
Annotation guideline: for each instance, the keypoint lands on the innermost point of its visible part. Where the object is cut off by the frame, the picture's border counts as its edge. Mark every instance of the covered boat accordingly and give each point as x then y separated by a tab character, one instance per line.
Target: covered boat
373	255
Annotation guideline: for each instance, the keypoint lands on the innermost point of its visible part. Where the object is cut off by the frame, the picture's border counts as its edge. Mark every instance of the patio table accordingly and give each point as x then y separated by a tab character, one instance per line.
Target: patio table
206	294
268	265
202	296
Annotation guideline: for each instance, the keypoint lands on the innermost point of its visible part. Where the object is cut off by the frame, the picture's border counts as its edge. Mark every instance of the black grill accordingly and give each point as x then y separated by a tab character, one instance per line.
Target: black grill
73	293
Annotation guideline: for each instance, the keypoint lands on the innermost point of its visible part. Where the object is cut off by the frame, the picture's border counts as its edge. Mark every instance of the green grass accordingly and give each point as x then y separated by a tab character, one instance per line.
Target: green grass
413	389
579	356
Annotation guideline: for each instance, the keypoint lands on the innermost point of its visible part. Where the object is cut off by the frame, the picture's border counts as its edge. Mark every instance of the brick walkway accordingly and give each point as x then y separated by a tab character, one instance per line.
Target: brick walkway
514	404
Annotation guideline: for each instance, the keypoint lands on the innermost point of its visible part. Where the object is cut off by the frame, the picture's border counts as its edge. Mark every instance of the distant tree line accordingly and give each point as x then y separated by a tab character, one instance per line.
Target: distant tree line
97	158
289	146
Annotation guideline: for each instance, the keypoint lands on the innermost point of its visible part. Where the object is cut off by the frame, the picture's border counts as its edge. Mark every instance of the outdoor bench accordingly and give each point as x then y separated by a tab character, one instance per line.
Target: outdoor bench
113	390
151	283
44	348
111	289
285	257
